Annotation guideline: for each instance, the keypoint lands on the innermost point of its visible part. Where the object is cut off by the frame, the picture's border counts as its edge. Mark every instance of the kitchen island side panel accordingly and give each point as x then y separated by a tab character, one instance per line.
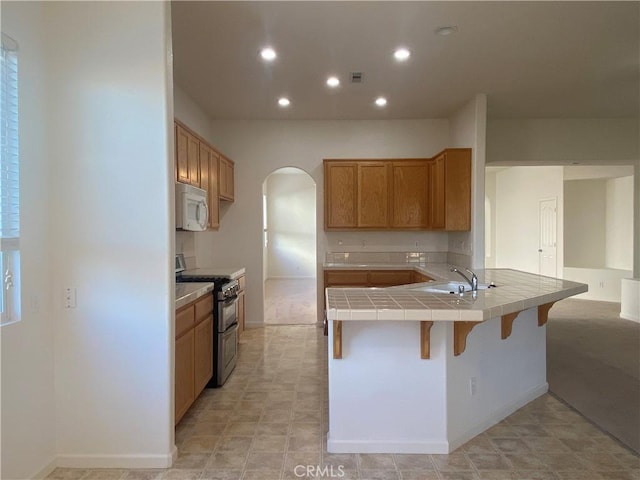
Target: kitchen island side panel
506	375
383	398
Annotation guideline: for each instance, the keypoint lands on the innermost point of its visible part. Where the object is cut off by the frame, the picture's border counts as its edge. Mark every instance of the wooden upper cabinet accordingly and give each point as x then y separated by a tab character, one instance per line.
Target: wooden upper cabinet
413	194
199	164
340	194
373	195
225	181
437	178
209	182
410	202
187	157
451	190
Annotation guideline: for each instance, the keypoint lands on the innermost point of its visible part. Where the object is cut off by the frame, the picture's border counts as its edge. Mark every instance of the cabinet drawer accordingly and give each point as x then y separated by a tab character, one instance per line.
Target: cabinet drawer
184	320
346	278
384	278
242	282
204	307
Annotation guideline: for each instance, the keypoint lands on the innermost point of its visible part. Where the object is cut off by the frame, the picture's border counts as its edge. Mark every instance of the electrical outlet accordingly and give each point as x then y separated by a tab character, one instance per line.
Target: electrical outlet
473	386
70	297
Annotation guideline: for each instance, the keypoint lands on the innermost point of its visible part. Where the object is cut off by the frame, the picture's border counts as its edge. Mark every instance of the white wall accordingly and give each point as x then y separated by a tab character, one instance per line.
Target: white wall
584	223
27	349
189	112
111	149
605	284
619	223
518	192
468	130
547	141
490	218
260	147
291	214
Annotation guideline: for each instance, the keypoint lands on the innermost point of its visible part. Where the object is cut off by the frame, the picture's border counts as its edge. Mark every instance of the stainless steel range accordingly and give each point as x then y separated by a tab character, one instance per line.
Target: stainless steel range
225	320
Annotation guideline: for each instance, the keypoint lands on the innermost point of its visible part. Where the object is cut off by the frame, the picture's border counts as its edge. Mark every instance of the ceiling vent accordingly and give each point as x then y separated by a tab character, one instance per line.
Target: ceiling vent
356	77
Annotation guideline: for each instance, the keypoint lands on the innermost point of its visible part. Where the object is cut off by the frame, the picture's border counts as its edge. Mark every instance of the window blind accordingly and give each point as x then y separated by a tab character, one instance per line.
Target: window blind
9	168
9	183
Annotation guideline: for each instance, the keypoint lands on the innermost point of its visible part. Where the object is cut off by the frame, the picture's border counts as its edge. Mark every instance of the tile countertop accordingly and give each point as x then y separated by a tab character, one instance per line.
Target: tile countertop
228	272
515	291
188	292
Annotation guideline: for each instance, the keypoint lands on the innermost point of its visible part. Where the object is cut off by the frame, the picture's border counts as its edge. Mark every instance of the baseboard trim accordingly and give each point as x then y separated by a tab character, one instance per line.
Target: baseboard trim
46	470
117	461
374	446
497	416
629	317
435	446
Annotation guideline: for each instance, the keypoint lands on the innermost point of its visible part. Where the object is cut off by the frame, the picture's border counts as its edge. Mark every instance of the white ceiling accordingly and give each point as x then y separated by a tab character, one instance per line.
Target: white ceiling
532	59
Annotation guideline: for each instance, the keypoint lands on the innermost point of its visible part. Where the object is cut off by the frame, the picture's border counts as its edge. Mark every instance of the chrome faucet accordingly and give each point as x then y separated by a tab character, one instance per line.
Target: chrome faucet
473	282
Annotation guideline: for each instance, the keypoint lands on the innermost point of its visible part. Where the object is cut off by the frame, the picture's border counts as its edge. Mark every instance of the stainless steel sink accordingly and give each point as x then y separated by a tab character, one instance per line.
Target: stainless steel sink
450	287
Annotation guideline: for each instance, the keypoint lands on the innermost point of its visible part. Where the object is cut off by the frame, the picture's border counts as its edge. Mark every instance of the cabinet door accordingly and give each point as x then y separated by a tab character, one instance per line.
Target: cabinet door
387	278
410	194
346	278
187	157
373	195
209	182
183	374
457	187
241	312
226	179
182	161
203	354
340	194
437	192
214	194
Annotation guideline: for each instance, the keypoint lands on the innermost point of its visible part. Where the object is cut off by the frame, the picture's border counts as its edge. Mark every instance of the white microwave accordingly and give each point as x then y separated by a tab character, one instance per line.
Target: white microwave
192	212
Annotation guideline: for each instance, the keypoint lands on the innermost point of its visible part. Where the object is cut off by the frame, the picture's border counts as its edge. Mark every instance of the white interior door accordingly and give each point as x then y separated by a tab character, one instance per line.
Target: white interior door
548	237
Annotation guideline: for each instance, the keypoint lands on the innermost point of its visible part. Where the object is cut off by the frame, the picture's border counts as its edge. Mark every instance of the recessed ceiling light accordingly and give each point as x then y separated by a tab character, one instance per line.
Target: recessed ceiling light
381	101
268	54
402	54
333	82
446	30
284	102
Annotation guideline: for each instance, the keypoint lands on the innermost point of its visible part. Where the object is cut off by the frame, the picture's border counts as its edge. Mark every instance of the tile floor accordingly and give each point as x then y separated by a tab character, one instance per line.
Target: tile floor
290	301
271	416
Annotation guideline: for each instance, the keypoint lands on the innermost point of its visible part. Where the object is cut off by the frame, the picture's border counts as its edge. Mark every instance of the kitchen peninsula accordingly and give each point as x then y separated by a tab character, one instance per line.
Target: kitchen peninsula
416	369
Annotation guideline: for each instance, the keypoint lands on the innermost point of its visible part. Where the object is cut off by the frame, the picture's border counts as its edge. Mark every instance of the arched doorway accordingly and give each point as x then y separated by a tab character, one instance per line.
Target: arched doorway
289	247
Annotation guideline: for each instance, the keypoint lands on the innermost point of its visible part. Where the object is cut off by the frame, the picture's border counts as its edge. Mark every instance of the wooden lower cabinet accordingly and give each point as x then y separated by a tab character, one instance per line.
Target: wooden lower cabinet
389	278
203	354
370	278
418	277
184	379
193	366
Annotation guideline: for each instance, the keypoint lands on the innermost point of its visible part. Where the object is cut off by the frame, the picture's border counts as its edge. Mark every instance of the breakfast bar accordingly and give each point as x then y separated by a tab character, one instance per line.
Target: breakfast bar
425	367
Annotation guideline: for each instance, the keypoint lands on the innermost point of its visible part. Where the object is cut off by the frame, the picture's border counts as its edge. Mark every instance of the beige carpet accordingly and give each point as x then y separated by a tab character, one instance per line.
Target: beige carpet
593	364
290	301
